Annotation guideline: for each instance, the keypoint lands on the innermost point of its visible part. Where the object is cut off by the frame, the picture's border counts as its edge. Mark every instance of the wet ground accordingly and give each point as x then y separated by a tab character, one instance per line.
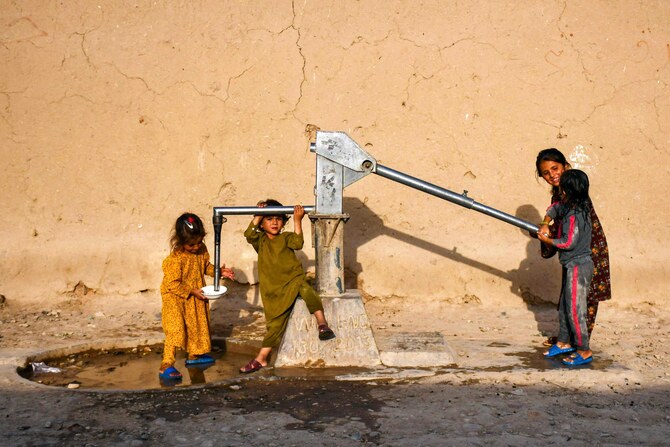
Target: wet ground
536	360
137	369
502	393
129	369
270	411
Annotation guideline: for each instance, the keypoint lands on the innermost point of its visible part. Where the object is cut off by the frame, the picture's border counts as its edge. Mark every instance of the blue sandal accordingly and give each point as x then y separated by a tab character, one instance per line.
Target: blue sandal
576	360
199	360
170	373
556	350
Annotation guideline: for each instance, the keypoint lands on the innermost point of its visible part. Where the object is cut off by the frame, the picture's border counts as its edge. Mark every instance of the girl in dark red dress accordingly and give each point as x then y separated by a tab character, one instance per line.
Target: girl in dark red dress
550	165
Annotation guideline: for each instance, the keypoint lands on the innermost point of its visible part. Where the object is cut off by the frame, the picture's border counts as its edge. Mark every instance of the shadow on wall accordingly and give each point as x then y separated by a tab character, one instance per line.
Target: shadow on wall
532	273
233	307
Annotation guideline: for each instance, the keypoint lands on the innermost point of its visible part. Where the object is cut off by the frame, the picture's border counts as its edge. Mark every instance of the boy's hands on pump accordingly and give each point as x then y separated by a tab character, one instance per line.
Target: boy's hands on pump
298	212
258	217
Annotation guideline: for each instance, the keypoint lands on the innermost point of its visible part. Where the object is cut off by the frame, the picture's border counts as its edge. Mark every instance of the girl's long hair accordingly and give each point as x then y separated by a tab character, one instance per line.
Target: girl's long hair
188	228
575	186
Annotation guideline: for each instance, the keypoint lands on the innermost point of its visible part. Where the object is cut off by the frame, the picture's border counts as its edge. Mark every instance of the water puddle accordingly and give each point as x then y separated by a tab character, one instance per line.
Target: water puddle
536	360
132	368
137	369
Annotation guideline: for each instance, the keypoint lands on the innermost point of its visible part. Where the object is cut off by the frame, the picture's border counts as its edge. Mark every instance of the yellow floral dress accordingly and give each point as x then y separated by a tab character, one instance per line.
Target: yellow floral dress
185	318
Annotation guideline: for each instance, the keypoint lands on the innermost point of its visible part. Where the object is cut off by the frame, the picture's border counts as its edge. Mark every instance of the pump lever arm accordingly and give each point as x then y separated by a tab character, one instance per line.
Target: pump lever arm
458	199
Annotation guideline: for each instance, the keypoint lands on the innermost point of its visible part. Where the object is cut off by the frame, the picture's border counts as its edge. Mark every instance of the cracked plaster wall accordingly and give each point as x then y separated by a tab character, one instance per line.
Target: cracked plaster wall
117	116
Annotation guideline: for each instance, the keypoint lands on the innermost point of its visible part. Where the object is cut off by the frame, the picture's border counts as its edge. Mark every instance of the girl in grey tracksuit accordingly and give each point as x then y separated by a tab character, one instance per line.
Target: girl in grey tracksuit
574	247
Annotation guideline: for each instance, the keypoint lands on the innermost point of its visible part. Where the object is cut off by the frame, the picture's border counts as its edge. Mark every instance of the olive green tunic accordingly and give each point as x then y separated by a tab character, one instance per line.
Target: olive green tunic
281	279
185	318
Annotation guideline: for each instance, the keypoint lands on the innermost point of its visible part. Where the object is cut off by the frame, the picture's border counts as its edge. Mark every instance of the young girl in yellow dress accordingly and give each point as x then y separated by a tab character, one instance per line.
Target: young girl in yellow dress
185	311
281	278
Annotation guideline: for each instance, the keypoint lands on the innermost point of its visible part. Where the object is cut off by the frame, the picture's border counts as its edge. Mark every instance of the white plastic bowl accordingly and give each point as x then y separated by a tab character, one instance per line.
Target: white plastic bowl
212	294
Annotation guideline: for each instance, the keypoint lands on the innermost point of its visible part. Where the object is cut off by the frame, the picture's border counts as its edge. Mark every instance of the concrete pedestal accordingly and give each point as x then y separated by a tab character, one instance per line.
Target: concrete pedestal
414	349
354	345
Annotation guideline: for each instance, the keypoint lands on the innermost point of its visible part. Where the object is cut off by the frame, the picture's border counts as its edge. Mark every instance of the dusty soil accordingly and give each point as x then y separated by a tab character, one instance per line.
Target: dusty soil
501	392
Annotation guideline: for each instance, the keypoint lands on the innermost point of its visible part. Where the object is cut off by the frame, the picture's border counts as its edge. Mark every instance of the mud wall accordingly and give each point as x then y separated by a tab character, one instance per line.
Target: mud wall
115	117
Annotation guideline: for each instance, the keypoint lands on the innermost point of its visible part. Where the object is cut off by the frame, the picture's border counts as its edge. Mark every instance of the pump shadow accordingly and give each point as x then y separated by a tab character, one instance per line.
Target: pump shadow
533	274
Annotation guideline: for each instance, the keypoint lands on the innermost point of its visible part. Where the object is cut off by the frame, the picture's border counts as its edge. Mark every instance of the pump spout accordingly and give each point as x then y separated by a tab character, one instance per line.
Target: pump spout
217	221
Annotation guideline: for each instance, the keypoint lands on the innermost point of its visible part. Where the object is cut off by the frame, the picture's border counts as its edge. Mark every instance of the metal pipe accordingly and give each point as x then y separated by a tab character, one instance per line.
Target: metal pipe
459	199
218	219
251	210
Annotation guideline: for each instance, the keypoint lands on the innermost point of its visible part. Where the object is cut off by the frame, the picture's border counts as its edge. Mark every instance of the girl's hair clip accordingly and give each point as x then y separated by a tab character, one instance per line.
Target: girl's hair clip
189	222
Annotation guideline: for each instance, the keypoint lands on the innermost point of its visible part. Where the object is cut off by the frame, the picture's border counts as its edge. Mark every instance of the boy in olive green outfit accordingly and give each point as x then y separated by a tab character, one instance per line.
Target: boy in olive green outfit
281	277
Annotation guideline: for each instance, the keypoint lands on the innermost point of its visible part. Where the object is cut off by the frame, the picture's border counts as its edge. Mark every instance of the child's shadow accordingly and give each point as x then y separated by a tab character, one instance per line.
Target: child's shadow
233	310
536	281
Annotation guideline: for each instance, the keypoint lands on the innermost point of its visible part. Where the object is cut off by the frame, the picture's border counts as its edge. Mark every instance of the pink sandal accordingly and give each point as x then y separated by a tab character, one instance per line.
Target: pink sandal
253	366
325	333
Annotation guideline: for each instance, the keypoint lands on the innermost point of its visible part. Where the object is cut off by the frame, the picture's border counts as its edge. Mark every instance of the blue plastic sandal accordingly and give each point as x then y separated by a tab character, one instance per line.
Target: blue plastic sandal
576	360
170	373
199	360
555	350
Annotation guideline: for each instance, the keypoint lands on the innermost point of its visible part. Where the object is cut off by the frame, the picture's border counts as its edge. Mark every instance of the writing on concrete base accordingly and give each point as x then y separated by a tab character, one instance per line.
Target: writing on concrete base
354	343
308	323
317	347
347	339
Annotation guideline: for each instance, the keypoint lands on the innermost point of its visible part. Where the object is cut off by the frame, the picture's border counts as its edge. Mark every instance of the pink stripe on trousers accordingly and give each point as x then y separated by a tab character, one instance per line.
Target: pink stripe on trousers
575	319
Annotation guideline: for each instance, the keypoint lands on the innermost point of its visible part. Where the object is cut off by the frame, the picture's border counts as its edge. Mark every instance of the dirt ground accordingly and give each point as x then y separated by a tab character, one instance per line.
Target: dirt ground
501	392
